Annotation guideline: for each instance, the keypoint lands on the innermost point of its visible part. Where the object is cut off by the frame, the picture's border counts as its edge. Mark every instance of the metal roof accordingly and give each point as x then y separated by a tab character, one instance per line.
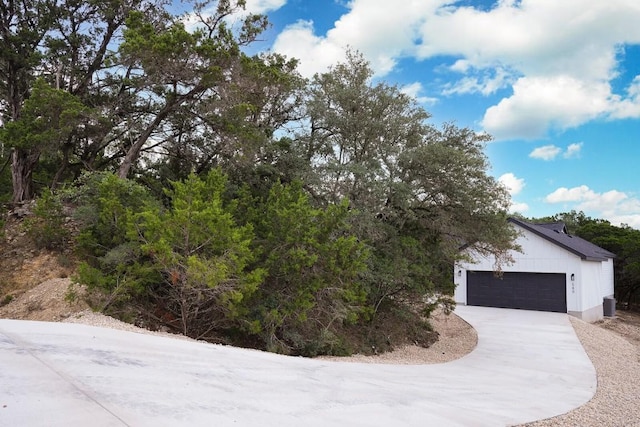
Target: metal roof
557	233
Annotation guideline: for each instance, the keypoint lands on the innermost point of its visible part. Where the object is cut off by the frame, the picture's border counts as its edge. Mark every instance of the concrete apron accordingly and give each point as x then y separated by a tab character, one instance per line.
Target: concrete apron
527	366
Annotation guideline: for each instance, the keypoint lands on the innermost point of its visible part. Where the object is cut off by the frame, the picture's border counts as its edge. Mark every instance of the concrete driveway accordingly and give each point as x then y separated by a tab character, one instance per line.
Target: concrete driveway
527	366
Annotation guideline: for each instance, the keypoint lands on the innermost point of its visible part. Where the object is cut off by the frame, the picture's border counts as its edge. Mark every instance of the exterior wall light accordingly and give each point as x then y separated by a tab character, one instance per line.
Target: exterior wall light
573	283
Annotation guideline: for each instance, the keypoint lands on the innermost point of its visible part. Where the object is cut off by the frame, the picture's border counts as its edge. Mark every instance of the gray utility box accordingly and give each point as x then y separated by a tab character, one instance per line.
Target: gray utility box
609	306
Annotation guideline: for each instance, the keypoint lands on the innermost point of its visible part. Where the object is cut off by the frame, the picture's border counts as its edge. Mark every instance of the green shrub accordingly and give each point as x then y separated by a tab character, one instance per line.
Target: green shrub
116	284
72	295
313	265
189	258
105	206
46	227
113	266
202	255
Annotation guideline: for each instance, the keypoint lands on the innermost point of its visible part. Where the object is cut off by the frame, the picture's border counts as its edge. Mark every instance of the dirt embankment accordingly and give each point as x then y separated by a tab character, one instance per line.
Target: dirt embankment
53	300
34	283
23	265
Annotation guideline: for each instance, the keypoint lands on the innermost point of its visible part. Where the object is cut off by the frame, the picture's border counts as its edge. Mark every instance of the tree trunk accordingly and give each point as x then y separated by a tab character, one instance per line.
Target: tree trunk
63	167
23	163
134	151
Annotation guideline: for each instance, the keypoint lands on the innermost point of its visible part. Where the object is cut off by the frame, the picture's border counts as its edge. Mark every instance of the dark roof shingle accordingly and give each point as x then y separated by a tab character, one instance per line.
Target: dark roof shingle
557	233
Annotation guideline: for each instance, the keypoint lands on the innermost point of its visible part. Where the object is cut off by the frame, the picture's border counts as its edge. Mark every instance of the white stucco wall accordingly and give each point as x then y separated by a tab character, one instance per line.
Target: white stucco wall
597	283
607	278
592	280
590	283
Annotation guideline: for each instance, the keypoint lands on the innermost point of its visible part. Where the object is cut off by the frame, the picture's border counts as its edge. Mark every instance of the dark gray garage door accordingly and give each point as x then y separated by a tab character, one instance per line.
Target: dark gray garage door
529	291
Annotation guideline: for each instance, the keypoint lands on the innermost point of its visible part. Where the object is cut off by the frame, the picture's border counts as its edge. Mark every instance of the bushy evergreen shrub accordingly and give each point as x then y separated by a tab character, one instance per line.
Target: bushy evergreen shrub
46	225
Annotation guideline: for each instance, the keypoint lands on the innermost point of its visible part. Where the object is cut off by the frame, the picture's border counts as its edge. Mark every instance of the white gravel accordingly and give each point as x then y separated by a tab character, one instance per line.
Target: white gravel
91	318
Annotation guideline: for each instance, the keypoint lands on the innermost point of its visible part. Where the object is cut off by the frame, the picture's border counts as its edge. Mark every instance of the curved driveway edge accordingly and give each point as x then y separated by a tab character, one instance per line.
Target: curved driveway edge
527	366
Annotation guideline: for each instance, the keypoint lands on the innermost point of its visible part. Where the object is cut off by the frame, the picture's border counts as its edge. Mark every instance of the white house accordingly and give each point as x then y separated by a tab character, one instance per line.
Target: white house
555	272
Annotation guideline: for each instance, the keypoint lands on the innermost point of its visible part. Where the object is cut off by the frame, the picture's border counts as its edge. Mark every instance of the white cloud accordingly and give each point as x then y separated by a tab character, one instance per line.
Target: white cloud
264	6
381	30
630	220
573	150
574	194
629	107
563	194
518	207
562	56
316	54
547	152
192	21
513	184
614	206
550	152
541	103
461	66
486	84
625	212
578	37
414	90
557	57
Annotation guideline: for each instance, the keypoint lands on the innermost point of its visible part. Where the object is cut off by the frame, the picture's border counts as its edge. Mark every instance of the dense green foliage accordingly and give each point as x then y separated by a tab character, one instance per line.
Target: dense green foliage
193	266
222	195
419	192
47	224
623	241
201	254
105	209
313	264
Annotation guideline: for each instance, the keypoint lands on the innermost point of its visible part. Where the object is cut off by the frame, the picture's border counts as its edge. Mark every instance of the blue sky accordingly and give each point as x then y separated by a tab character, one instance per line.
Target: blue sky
556	83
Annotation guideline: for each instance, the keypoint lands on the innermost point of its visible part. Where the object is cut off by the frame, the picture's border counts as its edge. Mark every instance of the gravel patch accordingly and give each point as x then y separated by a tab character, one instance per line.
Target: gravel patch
91	318
617	399
456	339
46	302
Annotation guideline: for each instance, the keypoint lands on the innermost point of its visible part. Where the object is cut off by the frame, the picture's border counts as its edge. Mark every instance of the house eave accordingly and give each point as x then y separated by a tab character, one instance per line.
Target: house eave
594	259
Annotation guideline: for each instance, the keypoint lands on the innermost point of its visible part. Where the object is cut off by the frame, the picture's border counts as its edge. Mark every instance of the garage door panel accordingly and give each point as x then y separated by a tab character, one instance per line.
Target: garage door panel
529	291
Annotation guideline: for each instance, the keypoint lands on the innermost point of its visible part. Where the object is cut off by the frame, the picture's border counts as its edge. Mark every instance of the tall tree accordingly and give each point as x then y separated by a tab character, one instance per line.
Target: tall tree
173	69
312	261
23	26
49	118
357	132
236	130
264	96
202	255
69	43
80	57
421	192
